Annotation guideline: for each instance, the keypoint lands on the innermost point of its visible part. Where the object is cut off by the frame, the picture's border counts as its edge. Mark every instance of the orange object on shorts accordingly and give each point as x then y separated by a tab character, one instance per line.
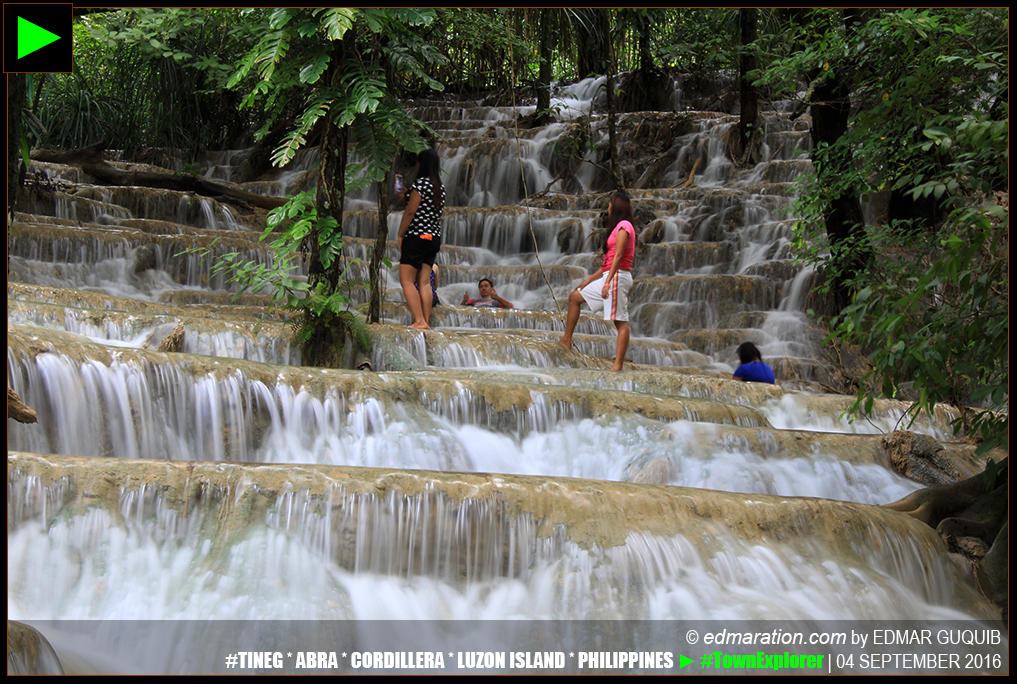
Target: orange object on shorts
426	236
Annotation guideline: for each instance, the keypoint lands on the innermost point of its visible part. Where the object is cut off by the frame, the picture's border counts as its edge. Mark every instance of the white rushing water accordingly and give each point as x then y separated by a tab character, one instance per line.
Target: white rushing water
720	266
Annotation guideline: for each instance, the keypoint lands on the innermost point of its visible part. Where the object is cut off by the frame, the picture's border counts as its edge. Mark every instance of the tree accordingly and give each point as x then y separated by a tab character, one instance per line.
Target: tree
647	87
822	55
337	66
17	98
591	46
544	78
928	120
612	137
748	95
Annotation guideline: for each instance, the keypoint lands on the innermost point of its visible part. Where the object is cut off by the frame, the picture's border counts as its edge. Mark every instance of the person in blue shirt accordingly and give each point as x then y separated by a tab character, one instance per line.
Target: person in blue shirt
752	369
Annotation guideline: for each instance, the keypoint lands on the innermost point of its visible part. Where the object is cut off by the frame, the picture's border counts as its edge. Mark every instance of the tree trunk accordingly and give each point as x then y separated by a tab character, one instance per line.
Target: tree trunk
648	76
18	410
591	43
374	311
616	181
831	107
17	98
331	191
544	78
749	96
324	334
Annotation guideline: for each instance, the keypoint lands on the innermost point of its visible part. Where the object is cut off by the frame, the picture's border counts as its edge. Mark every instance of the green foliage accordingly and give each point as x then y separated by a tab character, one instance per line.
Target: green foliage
938	72
492	48
325	319
147	77
698	39
918	78
296	49
478	45
940	324
159	76
929	91
337	67
73	115
319	306
298	220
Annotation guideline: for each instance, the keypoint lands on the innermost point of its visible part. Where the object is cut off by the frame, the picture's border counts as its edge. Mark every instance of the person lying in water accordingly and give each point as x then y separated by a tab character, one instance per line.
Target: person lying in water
488	297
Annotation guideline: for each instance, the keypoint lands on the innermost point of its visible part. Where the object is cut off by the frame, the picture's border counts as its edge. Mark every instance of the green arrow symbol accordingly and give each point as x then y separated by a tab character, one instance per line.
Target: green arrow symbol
683	661
32	37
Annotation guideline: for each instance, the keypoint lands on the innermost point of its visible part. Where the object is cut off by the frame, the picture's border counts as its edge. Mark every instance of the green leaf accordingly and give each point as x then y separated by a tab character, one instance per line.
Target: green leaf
307	29
280	18
272	51
25	150
295	139
313	70
337	21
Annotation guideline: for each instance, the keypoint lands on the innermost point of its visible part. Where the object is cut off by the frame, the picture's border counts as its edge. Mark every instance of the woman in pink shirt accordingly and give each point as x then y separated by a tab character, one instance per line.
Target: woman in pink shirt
608	288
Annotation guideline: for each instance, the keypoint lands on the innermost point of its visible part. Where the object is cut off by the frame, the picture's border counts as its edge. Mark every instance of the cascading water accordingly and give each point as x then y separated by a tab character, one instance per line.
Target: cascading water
223	482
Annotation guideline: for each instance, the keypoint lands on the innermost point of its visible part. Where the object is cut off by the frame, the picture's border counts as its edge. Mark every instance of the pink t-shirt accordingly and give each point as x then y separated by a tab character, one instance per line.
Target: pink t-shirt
630	247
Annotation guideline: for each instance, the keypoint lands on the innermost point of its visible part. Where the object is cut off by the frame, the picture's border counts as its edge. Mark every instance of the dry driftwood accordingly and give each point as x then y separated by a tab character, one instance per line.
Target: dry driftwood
17	409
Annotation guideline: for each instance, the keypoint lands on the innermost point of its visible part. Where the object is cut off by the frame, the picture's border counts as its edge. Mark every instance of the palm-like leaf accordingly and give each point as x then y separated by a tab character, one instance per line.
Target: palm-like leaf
317	107
336	21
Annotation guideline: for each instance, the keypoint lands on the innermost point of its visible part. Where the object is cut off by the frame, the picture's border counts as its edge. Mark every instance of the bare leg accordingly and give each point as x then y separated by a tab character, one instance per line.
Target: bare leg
407	275
623	344
575	303
426	295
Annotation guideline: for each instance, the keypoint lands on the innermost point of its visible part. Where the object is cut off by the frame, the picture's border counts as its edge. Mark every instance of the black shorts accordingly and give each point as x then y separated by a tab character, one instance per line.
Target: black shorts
417	251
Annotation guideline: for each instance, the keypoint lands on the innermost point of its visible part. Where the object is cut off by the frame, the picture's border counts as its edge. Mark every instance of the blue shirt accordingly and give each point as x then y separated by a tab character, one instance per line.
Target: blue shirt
756	371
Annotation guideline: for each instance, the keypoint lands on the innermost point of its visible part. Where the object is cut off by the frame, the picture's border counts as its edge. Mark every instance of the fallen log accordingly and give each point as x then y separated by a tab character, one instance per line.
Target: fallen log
18	410
90	161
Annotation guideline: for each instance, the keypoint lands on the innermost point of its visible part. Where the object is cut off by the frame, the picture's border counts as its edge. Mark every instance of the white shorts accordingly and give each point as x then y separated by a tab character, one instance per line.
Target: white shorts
616	305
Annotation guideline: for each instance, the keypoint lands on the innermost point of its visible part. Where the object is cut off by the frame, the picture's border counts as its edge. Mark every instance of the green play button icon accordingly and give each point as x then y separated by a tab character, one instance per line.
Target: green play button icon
32	37
38	38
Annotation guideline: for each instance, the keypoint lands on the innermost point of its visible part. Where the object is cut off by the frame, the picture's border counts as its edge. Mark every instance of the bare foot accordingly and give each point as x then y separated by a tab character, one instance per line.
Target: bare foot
567	345
420	326
616	367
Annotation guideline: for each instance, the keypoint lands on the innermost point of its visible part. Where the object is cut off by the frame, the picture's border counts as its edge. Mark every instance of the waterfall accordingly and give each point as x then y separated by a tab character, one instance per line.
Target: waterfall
482	490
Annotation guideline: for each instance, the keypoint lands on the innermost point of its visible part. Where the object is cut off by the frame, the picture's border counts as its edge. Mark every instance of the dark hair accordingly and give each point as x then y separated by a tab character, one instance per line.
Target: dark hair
430	166
618	210
483	280
747	353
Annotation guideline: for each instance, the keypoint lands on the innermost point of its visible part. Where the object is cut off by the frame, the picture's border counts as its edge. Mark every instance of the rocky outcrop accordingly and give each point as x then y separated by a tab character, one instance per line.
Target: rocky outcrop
923	459
29	653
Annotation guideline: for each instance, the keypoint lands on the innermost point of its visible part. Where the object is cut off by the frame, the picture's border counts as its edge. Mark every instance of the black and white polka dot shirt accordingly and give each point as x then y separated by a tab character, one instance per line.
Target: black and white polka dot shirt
428	217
